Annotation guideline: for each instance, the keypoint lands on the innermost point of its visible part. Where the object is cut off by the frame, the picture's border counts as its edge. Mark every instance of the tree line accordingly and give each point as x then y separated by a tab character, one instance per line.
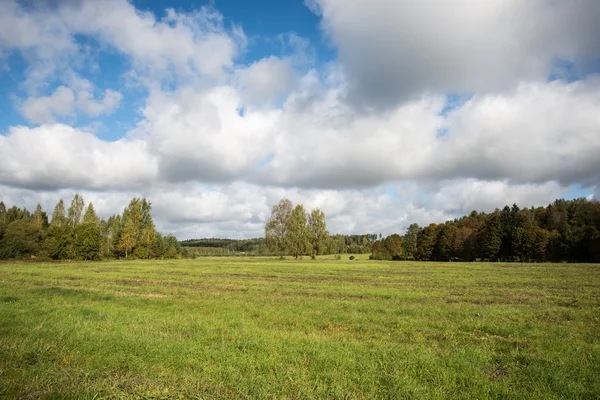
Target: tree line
77	233
566	230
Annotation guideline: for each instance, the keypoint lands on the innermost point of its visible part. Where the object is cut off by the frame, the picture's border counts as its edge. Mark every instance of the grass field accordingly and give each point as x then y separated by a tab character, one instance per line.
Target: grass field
258	328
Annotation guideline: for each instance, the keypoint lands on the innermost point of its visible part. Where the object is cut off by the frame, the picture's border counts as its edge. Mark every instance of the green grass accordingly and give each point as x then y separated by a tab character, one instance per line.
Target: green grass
258	328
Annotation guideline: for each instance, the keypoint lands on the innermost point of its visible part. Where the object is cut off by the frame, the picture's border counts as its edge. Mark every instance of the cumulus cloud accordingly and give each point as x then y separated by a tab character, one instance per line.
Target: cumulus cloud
65	101
394	50
202	136
58	156
537	133
187	46
44	109
265	81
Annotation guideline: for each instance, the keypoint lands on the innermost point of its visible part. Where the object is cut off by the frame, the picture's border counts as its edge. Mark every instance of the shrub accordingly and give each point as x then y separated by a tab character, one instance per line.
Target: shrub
351	257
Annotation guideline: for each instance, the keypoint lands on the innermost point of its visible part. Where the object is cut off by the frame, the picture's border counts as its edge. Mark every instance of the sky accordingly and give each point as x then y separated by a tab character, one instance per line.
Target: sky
379	112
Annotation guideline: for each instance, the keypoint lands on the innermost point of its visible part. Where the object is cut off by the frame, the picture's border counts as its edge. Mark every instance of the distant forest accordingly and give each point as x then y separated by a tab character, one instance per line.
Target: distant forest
566	230
77	233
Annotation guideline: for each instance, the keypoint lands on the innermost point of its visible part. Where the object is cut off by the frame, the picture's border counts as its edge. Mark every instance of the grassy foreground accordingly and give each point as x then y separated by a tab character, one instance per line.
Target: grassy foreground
234	328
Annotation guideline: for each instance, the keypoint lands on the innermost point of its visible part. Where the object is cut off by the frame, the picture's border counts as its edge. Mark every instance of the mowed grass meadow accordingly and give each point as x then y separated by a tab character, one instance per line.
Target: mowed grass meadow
263	328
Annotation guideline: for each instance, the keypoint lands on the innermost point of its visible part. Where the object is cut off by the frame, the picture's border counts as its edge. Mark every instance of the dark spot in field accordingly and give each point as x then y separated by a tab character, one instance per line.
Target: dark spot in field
174	273
131	282
9	299
89	313
30	358
330	295
63	292
569	303
498	372
106	269
74	293
69	278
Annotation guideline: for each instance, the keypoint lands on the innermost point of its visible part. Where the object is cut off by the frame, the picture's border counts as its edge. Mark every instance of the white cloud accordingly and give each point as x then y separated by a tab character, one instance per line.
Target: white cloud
191	44
201	136
86	101
265	81
65	101
392	50
58	156
534	134
43	109
43	39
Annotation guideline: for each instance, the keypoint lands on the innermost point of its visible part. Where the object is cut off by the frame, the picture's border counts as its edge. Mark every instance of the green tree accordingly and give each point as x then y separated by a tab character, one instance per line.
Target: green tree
58	215
298	233
110	230
277	228
426	240
445	248
318	231
56	242
2	212
168	246
491	237
88	238
409	241
337	244
393	245
379	251
132	225
21	238
2	219
40	217
147	233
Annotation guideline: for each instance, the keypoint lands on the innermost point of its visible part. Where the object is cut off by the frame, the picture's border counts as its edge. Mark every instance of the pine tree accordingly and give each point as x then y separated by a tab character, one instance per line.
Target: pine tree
87	236
58	235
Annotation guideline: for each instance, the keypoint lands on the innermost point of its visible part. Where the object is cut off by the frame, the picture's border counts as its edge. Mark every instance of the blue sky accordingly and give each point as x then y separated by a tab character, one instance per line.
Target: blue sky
265	23
381	113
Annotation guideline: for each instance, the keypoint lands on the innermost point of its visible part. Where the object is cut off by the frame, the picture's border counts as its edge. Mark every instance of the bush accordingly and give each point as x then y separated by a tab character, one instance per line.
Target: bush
338	257
351	257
